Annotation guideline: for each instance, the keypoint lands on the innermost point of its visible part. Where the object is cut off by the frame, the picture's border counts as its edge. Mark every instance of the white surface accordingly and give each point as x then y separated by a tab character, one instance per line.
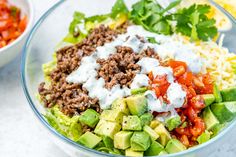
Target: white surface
19	134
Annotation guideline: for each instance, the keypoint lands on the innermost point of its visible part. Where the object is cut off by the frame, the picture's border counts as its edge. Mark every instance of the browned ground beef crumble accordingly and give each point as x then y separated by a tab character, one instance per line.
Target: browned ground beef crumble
119	68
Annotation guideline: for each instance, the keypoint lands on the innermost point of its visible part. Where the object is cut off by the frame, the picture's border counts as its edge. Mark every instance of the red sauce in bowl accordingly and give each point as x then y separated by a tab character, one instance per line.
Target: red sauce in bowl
12	23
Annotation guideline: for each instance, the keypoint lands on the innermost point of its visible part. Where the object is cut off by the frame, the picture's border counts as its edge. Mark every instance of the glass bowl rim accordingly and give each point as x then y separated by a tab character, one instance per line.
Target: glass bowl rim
67	140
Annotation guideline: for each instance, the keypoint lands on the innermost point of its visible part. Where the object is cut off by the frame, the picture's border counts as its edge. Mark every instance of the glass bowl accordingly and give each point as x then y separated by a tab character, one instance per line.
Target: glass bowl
40	45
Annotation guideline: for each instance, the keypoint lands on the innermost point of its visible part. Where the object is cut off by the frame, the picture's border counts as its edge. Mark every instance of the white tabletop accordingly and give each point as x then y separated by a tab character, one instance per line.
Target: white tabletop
19	134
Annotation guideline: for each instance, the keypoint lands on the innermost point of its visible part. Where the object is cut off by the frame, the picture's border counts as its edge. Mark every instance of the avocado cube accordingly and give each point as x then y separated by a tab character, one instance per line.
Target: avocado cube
75	129
129	152
229	94
174	146
154	123
108	142
120	104
131	123
173	122
140	141
216	129
164	135
89	140
209	118
137	104
106	128
122	139
112	115
89	117
151	132
217	94
208	99
224	111
162	153
154	149
146	118
204	137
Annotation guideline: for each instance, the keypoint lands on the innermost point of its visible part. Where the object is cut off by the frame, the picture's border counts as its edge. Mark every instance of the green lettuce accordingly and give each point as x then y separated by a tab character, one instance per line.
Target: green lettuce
67	126
81	25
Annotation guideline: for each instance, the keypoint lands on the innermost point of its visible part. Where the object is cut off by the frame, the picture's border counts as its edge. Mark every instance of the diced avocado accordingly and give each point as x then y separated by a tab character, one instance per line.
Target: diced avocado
122	139
108	142
151	132
154	123
163	153
154	149
146	118
75	129
208	99
137	104
173	122
106	128
164	135
89	140
209	118
120	104
229	94
215	130
140	141
112	115
174	146
130	153
224	111
89	117
138	90
204	137
131	123
217	94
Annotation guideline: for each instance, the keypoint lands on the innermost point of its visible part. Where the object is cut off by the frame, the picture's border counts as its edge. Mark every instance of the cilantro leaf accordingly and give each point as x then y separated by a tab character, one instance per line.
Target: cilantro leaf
118	8
194	23
152	16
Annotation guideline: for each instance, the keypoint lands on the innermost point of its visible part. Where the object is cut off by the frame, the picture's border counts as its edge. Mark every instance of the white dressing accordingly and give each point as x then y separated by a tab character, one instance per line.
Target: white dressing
176	95
167	47
160	70
148	64
140	80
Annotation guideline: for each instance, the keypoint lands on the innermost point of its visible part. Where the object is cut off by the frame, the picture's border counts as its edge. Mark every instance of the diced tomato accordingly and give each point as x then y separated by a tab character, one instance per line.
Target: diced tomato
22	24
173	64
150	75
160	80
198	127
183	131
184	140
179	71
11	24
197	102
157	91
190	113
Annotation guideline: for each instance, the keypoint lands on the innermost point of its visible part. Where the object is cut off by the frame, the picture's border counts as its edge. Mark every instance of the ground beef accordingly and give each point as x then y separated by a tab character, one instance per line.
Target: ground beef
121	67
72	98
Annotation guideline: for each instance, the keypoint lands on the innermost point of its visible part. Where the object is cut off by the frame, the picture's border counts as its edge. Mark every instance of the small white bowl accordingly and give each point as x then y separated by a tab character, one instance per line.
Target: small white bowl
9	52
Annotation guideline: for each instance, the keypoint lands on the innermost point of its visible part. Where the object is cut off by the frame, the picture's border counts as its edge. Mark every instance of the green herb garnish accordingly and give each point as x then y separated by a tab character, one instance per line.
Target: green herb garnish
194	23
152	16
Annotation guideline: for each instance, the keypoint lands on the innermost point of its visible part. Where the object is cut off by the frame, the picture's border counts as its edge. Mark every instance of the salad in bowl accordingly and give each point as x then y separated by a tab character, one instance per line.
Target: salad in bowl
145	81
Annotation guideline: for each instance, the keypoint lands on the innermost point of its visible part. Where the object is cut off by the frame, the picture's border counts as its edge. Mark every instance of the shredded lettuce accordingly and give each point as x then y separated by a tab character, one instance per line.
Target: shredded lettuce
49	67
69	127
81	25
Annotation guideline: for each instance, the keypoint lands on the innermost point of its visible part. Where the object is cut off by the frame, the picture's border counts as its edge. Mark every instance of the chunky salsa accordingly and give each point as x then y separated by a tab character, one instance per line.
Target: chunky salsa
12	23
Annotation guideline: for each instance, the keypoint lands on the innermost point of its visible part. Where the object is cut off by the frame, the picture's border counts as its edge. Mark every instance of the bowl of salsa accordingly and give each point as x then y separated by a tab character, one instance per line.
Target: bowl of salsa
16	19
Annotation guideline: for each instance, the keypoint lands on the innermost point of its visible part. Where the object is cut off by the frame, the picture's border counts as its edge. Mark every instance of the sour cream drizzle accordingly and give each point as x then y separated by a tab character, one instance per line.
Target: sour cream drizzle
167	48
